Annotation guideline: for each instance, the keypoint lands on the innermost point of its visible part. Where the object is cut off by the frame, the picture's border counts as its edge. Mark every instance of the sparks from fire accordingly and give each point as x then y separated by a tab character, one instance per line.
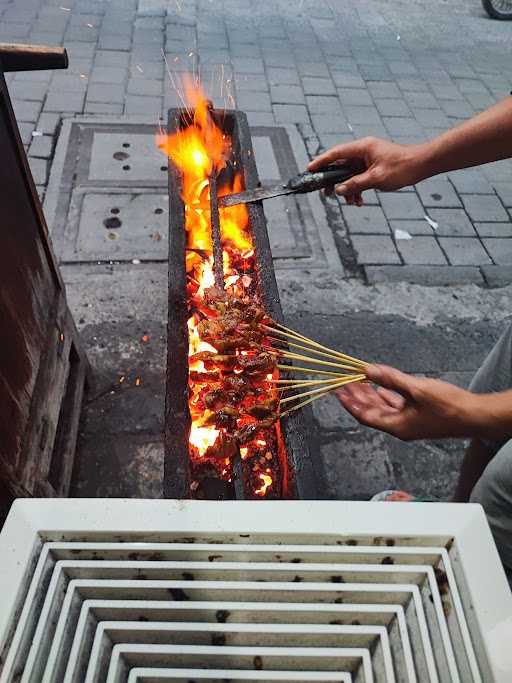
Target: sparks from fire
198	150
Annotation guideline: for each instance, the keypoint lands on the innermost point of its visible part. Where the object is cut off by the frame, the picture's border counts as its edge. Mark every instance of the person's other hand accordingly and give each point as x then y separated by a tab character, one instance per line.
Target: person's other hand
381	165
411	407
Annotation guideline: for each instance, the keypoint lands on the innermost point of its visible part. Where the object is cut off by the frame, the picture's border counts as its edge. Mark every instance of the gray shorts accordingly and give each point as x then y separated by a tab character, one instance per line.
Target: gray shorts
494	488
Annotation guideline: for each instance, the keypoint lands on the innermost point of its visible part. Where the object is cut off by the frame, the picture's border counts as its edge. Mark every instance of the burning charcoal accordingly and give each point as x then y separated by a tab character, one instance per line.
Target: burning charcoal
246	433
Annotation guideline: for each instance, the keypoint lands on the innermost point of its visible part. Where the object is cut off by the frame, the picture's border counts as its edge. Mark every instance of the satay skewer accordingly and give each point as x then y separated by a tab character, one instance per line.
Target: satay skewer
306	348
286	332
335	385
316	361
310	371
356	378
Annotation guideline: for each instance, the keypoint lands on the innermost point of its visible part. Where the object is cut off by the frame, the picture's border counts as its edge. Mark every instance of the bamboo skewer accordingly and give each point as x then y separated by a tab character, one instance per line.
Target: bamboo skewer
298	337
310	371
356	378
303	381
317	361
307	348
300	385
335	385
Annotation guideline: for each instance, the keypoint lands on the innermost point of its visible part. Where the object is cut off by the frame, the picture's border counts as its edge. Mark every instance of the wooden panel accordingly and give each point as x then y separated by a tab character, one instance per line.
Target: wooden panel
37	332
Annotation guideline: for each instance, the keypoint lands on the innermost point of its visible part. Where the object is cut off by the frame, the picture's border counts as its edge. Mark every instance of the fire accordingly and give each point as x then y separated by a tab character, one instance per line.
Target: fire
198	150
266	481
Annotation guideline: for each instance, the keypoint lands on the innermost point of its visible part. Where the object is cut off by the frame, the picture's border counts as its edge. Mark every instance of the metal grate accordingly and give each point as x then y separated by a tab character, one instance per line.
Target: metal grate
132	591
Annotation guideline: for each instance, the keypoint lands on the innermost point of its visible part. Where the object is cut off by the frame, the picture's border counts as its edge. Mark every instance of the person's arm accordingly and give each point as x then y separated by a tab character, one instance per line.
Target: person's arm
411	408
389	166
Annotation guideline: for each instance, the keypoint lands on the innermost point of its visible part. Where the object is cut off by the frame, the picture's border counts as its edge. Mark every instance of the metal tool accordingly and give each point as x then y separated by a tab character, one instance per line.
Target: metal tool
299	184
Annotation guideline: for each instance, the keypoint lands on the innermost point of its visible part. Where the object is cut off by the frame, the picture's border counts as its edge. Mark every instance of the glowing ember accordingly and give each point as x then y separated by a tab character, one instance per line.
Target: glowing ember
198	150
266	481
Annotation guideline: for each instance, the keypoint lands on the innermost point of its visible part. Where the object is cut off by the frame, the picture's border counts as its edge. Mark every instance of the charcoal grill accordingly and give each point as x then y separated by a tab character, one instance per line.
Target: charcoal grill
298	478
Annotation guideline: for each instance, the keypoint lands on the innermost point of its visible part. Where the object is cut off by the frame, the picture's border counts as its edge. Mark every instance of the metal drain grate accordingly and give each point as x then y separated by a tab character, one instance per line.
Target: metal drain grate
132	591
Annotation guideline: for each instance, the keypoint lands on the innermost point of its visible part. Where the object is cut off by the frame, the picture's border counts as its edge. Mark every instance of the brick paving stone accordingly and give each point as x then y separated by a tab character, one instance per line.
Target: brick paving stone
393	107
251	82
114	42
485	208
421	251
470	85
504	192
402	126
497	276
32	91
323	104
480	101
318	86
106	92
456	108
111	58
254	101
384	90
62	101
25	131
286	94
494	229
375	249
438	192
38	168
143	86
329	123
137	104
282	76
290	113
413	227
103	108
260	118
314	71
471	181
424	100
68	83
433	118
356	96
41	146
249	65
365	219
361	130
412	85
328	140
430	276
108	74
464	251
48	123
26	111
452	222
401	205
362	114
500	250
347	80
445	92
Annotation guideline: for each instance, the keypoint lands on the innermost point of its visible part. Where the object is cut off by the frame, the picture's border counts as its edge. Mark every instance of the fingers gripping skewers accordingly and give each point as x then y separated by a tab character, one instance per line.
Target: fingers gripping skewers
239	372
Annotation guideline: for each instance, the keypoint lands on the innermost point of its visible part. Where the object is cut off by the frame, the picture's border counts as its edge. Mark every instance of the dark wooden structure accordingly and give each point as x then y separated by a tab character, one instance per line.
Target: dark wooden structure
42	366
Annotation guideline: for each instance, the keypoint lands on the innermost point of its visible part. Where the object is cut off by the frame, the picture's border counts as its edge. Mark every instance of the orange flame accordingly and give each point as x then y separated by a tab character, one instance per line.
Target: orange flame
198	150
266	480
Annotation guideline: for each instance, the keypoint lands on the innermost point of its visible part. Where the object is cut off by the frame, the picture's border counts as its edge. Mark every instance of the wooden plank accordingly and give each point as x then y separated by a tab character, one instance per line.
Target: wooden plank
19	57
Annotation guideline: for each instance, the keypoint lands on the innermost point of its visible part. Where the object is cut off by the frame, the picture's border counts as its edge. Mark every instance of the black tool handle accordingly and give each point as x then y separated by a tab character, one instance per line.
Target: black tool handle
325	177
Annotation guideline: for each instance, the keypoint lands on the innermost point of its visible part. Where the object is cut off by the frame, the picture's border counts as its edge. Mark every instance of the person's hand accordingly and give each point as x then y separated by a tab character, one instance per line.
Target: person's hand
381	165
411	407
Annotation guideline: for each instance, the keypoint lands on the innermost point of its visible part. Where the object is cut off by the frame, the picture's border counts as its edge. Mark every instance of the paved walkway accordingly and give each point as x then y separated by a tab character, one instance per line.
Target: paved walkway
336	69
332	71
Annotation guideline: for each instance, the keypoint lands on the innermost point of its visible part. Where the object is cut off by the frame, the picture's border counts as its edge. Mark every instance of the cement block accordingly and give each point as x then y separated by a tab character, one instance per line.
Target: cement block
372	249
485	208
464	251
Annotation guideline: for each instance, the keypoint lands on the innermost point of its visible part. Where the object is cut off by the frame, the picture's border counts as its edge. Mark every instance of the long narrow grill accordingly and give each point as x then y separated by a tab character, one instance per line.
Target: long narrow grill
127	607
